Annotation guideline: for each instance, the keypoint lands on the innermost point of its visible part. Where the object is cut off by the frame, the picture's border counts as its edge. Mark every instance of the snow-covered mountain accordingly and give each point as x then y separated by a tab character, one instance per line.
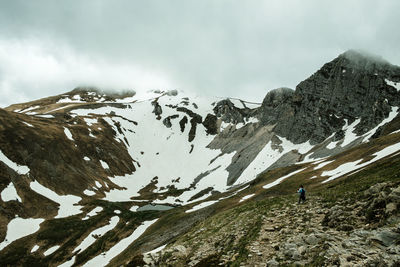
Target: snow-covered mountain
106	166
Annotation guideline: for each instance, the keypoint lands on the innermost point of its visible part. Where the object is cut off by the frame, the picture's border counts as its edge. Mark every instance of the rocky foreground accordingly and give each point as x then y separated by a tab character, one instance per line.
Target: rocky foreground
317	233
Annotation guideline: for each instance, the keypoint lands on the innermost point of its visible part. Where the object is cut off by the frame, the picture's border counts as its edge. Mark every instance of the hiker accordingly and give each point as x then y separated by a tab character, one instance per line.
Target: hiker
302	194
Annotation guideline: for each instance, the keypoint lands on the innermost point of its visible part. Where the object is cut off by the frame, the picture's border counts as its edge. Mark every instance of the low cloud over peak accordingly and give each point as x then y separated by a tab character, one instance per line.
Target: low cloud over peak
225	48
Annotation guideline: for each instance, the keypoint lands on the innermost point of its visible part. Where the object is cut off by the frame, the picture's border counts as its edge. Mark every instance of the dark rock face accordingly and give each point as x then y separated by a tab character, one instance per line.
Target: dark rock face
210	123
229	113
157	109
277	106
349	87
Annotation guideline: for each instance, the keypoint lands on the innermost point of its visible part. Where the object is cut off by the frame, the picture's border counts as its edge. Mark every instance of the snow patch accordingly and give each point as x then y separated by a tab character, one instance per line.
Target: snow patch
10	193
104	164
202	205
19	227
90	239
35	248
47	116
67	203
246	197
90	121
278	181
269	156
21	169
393	84
104	258
86	158
319	166
350	136
134	208
68	134
89	192
30	108
51	250
332	145
156	250
28	124
355	165
93	212
68	263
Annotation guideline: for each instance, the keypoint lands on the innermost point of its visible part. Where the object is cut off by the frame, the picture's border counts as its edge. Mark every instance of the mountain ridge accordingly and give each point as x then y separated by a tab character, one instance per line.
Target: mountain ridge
95	159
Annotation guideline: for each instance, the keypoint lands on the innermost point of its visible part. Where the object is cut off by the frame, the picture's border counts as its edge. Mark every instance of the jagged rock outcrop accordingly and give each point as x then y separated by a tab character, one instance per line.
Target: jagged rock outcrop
229	113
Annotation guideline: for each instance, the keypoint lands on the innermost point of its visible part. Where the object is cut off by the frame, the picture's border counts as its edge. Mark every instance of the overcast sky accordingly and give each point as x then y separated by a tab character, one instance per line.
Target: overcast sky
214	47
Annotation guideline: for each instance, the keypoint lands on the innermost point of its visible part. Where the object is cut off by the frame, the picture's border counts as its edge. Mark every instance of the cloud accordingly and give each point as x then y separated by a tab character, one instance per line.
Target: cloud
31	69
224	47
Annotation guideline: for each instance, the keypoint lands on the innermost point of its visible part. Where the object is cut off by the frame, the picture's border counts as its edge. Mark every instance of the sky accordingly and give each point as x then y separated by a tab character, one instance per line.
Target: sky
210	47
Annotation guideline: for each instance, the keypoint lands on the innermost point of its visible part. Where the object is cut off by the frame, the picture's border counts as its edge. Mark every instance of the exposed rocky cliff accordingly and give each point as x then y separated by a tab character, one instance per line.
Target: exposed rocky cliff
354	85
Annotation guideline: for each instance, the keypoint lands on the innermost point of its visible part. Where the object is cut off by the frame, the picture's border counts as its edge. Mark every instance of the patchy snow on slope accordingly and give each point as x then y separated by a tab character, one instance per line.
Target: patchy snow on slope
89	192
35	248
73	99
161	144
19	227
201	205
28	124
86	158
269	156
332	145
156	250
67	203
90	121
47	116
341	170
94	235
355	165
134	208
98	184
30	109
320	165
104	164
51	250
21	169
104	258
278	181
93	212
393	84
68	263
393	113
349	136
68	134
246	197
10	193
167	153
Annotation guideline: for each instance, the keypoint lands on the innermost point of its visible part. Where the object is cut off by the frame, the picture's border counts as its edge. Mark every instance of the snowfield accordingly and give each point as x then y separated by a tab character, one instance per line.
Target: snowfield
19	227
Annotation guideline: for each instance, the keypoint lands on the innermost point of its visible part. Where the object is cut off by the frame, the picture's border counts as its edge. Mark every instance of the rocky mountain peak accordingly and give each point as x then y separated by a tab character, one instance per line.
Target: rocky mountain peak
342	91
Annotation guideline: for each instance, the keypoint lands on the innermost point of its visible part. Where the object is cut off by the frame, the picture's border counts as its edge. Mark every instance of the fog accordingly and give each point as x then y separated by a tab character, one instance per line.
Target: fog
222	48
